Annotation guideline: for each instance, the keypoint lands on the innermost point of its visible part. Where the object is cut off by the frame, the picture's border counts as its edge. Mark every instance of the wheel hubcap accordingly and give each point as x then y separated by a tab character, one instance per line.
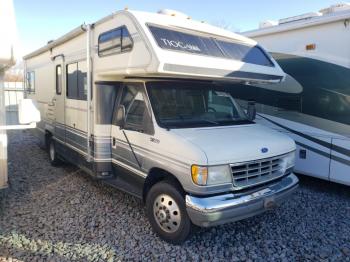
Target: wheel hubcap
167	213
52	151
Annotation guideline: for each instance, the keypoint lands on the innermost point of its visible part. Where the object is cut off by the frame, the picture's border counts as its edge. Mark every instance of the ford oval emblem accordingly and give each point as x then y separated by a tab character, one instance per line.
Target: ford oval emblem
264	150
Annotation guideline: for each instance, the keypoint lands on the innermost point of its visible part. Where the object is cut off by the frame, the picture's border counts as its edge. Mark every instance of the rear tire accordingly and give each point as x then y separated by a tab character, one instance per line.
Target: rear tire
166	211
53	156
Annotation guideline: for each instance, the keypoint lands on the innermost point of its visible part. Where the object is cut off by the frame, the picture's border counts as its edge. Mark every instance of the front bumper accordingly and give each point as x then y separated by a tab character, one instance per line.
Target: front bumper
221	209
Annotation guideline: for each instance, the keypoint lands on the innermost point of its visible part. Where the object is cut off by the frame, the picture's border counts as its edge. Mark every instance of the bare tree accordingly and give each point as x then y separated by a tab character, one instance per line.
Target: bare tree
224	24
15	73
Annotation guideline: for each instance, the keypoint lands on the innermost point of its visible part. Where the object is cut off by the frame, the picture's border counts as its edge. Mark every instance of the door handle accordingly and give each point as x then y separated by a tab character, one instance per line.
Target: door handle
52	103
113	141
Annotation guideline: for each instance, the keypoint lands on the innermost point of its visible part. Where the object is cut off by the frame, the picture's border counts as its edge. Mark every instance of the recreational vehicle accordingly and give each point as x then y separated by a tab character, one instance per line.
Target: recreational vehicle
137	99
313	104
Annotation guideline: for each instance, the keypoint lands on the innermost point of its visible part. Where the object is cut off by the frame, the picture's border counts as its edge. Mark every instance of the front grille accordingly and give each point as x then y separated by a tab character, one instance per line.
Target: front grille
256	172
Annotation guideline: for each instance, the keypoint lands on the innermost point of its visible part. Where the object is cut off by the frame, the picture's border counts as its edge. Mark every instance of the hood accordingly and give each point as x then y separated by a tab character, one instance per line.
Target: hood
223	145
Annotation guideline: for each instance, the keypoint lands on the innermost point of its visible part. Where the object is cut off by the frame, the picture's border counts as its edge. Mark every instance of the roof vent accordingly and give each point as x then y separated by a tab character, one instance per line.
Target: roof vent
299	17
335	8
267	23
173	13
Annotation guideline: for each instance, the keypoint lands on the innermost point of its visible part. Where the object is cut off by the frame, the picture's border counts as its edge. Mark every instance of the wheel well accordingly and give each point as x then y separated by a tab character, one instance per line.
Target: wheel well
156	175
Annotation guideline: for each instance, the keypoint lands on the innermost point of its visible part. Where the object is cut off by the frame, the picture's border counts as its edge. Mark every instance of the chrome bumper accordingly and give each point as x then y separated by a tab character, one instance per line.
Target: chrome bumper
216	210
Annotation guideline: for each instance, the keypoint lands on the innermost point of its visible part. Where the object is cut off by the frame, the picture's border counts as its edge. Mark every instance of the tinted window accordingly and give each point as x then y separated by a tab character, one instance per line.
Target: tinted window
174	40
114	41
190	43
106	93
82	80
58	80
77	81
72	81
135	106
248	54
31	82
126	40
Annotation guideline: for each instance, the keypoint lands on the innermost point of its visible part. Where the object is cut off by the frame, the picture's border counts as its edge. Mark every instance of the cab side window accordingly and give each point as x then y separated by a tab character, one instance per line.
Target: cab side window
137	115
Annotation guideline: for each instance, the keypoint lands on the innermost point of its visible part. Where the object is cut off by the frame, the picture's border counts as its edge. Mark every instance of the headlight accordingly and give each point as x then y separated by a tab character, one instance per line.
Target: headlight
211	175
289	160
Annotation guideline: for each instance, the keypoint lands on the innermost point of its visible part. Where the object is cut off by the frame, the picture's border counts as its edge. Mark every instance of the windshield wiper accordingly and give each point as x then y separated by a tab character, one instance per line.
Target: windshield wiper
236	121
210	121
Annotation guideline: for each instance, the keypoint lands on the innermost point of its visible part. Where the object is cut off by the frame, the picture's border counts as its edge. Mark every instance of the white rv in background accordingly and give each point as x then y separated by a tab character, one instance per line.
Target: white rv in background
7	34
313	104
138	99
27	111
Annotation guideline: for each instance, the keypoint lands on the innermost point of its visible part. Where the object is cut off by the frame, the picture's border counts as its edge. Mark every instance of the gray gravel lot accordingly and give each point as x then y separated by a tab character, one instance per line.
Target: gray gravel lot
61	214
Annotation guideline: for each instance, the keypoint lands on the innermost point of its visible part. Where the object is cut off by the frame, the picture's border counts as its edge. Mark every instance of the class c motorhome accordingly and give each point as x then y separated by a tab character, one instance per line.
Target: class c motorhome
313	105
137	99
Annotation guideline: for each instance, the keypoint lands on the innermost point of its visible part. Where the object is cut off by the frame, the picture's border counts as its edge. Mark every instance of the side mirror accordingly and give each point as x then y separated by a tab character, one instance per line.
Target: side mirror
28	112
251	110
121	116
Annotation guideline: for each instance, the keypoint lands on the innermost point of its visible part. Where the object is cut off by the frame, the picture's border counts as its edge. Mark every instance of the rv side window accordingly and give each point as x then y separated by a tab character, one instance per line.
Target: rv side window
179	41
31	82
72	81
126	40
77	81
209	45
114	41
248	54
58	79
82	80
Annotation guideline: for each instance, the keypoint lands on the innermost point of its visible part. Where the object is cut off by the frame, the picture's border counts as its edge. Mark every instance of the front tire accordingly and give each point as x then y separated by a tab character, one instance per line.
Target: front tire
53	156
166	211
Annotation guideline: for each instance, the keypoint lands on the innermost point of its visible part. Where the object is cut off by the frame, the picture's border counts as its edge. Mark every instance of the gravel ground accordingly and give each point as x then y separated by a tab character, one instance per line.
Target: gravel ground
60	214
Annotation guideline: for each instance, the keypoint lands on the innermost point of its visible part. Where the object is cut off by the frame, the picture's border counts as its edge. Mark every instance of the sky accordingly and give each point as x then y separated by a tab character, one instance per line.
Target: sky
39	21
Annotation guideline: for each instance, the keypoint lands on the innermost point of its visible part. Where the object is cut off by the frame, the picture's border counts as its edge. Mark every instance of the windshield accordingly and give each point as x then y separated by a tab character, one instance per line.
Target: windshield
191	104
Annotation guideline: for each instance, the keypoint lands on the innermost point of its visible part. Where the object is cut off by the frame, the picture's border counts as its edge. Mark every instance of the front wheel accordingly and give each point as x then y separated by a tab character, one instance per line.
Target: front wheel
166	211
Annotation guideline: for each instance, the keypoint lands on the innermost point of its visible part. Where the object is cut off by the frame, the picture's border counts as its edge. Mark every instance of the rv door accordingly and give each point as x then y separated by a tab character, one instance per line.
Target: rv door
58	101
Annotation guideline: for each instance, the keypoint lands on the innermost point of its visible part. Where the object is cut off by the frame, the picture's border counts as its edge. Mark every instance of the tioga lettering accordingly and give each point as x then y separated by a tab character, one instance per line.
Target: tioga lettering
181	45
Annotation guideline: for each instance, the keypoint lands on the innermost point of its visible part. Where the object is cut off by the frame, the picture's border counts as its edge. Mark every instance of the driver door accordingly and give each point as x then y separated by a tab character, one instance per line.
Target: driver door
129	143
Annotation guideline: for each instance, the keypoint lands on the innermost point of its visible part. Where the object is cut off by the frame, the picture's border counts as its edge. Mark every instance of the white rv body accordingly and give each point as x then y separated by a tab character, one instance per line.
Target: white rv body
144	66
314	106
